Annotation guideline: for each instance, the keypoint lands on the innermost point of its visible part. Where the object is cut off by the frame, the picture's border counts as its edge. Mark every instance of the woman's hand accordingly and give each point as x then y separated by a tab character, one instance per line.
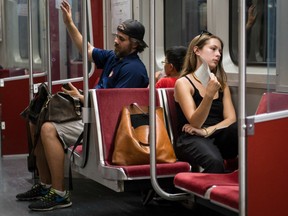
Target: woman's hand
213	86
194	131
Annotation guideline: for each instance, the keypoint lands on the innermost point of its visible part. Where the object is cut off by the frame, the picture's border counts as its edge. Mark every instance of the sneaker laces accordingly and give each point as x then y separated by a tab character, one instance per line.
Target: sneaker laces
49	196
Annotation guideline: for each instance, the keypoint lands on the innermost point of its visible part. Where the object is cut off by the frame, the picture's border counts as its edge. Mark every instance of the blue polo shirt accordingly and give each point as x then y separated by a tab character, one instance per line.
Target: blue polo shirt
128	72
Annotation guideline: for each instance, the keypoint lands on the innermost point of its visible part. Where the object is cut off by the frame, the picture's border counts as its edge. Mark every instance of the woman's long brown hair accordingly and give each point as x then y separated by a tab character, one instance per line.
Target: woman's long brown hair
190	61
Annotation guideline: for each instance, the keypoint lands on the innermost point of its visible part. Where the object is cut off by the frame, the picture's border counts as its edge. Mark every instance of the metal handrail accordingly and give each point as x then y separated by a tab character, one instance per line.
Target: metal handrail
48	46
152	115
31	89
85	109
242	110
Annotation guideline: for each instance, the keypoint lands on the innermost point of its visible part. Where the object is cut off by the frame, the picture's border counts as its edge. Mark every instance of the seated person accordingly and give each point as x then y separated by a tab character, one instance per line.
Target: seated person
122	68
206	114
173	62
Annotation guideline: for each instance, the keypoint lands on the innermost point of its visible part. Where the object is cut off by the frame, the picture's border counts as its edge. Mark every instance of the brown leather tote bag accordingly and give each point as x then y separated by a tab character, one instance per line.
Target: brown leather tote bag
132	138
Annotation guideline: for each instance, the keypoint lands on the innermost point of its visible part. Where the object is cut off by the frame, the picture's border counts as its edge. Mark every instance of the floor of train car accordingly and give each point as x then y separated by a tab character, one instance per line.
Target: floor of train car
89	198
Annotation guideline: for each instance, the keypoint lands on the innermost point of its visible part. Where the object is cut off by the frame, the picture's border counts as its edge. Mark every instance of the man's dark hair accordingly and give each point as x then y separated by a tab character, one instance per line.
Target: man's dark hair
136	31
140	46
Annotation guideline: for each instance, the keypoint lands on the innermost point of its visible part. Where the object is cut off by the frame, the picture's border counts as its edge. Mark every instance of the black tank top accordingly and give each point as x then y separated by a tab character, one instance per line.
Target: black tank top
215	114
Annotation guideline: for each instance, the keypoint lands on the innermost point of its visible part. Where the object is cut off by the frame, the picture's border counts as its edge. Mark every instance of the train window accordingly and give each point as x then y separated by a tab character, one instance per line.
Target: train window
261	31
74	58
189	18
17	32
65	58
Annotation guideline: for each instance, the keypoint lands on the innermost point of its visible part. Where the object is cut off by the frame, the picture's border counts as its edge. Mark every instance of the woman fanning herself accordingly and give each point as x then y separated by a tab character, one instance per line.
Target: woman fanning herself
207	118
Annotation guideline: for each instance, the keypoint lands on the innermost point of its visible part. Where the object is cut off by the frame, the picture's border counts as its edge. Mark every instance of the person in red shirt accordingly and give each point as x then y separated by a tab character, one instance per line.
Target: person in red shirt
173	62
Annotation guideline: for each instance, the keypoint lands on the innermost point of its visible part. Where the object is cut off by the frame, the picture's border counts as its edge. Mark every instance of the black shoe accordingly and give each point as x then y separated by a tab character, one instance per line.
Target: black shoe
36	192
51	201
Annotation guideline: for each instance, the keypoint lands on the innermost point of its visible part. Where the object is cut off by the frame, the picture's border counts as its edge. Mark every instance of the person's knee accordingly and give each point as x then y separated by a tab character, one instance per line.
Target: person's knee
47	130
214	165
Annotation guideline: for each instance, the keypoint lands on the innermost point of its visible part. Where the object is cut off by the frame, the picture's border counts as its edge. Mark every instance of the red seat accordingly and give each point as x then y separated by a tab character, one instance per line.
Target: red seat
110	103
171	113
226	196
78	149
272	102
200	183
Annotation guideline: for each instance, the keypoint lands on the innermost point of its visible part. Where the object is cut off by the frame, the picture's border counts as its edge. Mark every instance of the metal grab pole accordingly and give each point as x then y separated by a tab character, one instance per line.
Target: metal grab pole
31	89
48	46
152	109
85	52
152	115
242	111
85	109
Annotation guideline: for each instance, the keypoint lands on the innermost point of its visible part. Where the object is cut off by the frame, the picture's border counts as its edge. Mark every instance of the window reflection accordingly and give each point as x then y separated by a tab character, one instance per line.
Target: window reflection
260	28
65	57
189	18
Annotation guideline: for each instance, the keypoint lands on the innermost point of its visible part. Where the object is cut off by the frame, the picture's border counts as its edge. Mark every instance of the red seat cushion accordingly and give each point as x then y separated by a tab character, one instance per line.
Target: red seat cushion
162	169
78	149
226	195
199	183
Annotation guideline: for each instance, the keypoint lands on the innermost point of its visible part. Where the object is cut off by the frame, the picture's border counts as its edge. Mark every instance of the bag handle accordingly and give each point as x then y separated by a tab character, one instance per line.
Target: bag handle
139	108
77	105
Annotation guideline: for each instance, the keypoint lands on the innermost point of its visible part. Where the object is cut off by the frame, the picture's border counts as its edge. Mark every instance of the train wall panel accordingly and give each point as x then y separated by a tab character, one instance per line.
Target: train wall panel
267	175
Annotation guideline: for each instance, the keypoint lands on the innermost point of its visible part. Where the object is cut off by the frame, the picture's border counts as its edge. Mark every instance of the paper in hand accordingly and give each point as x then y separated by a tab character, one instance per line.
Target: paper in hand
203	73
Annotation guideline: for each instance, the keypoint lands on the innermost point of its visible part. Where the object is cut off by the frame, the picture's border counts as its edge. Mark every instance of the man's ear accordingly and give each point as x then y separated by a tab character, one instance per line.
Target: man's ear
135	45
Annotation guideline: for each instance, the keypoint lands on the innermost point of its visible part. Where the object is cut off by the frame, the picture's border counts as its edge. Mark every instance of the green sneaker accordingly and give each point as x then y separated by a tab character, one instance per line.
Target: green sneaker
51	201
36	192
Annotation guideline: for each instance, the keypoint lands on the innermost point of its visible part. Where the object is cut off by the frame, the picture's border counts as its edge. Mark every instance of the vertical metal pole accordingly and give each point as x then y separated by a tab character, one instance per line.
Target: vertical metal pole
152	114
242	111
152	103
85	109
48	46
85	50
31	90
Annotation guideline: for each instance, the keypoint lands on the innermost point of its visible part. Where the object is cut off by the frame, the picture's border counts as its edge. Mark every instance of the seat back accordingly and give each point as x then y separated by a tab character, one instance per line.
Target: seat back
171	113
110	104
272	102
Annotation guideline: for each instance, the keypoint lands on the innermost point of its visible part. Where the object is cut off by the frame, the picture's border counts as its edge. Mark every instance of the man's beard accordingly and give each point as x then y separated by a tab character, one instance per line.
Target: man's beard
121	53
118	53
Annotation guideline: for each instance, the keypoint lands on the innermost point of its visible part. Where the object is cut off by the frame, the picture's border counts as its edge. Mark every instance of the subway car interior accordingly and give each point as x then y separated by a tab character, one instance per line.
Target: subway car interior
35	47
